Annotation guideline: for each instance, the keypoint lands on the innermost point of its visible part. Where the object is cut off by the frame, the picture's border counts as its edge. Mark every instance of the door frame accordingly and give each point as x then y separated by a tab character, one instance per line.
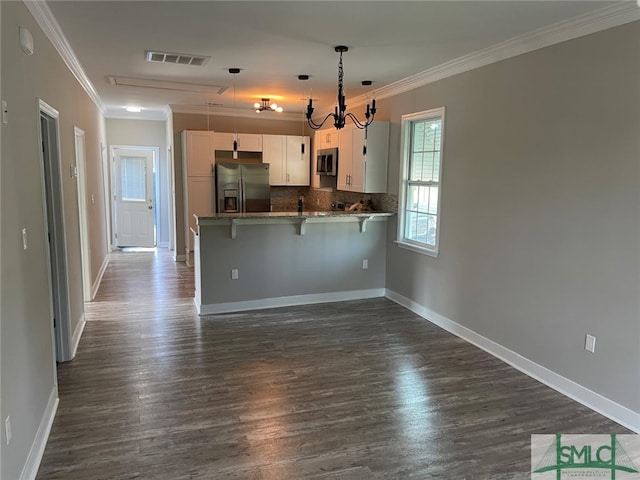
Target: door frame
114	188
106	193
54	231
83	213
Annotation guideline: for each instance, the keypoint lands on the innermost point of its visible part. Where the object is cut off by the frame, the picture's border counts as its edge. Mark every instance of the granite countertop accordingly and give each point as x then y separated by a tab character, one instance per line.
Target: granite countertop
310	214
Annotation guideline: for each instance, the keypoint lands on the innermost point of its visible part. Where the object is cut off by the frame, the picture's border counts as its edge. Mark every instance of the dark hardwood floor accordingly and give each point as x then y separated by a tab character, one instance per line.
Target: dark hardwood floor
350	390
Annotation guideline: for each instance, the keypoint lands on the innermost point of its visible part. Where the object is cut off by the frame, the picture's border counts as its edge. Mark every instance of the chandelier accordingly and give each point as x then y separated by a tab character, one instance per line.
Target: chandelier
340	114
265	105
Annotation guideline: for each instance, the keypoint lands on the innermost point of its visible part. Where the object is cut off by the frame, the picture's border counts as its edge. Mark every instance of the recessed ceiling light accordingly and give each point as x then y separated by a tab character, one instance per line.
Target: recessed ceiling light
133	109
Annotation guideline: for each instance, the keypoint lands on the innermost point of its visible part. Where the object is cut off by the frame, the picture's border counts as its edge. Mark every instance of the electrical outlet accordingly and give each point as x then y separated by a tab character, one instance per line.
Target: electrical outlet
590	343
234	274
7	429
365	264
5	112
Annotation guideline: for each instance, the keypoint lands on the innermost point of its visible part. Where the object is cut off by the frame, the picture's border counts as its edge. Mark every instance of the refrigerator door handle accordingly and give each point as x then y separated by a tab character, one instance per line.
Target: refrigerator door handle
243	200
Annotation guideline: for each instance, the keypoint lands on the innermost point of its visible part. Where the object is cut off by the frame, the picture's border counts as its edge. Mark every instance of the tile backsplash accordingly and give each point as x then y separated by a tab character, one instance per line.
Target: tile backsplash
285	199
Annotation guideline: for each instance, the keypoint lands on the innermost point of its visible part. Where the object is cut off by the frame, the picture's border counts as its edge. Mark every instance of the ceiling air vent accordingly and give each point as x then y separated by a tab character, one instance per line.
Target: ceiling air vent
179	58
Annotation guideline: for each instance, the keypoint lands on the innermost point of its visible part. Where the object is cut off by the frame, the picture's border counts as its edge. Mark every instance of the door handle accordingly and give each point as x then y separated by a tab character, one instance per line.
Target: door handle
150	207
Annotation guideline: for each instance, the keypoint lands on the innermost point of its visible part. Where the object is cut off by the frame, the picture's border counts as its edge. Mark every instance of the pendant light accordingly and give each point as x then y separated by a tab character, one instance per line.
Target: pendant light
234	72
340	114
302	77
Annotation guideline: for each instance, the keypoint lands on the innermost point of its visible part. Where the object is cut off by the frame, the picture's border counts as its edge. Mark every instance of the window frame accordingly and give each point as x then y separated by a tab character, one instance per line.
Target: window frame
407	122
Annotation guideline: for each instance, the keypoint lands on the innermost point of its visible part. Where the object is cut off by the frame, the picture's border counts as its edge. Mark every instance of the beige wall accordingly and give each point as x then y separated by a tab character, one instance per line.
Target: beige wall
217	123
27	357
540	228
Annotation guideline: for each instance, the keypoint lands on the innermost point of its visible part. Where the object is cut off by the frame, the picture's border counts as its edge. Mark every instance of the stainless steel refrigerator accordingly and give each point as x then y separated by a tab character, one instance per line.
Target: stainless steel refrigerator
242	187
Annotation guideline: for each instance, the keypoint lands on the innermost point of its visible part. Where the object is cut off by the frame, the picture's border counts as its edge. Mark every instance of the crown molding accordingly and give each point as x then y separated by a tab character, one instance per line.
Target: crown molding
592	22
47	22
230	112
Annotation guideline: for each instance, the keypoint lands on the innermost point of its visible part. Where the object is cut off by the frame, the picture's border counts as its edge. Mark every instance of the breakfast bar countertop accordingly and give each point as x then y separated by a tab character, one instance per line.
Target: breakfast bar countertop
202	220
300	219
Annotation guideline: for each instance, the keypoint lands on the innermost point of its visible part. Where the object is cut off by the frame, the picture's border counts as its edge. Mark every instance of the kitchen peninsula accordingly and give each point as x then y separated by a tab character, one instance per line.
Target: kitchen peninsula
250	261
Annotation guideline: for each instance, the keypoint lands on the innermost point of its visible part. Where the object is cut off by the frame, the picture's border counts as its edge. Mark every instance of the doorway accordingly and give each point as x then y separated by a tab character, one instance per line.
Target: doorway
134	193
55	230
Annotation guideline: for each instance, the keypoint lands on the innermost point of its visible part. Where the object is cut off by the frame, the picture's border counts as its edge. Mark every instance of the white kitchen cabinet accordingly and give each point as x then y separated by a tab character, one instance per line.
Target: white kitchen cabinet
345	158
197	153
315	178
247	142
362	161
198	160
287	164
274	153
326	138
200	199
298	160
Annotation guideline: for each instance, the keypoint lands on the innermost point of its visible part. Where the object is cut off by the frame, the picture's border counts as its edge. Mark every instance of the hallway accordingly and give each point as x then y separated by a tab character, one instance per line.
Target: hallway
349	390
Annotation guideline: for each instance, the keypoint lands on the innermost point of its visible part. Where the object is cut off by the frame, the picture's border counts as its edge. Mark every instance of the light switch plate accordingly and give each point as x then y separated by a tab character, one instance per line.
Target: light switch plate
7	429
234	274
590	343
24	238
5	112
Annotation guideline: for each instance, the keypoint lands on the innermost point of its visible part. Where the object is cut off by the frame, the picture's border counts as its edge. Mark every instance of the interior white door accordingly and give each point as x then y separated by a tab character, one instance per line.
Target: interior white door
135	226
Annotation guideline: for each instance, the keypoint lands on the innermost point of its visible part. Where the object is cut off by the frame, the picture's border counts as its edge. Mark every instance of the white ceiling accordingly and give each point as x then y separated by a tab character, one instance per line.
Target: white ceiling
273	42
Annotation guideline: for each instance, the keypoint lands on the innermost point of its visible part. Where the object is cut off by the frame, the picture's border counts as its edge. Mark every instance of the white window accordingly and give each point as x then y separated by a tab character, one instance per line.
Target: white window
419	216
133	179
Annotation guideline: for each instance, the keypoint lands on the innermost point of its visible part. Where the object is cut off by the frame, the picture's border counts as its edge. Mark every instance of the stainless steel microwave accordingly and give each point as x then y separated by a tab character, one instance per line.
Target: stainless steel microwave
327	162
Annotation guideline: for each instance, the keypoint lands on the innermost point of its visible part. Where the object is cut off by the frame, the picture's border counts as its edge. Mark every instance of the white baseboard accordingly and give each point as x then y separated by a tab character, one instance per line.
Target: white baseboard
75	340
198	305
179	258
210	309
163	245
616	412
30	469
96	284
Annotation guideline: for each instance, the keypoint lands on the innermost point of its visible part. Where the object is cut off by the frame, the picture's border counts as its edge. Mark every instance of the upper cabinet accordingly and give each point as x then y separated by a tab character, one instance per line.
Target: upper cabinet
326	138
362	158
197	153
288	163
298	160
247	142
274	153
